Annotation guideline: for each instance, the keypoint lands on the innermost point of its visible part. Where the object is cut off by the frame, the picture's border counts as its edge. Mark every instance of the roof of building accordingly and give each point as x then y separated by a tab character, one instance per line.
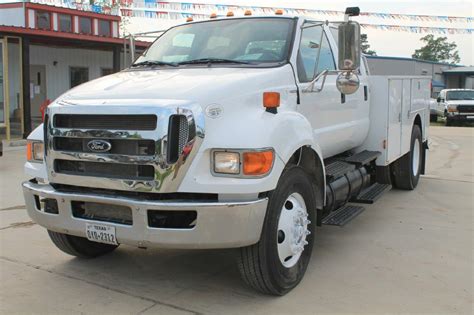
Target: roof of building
413	59
469	69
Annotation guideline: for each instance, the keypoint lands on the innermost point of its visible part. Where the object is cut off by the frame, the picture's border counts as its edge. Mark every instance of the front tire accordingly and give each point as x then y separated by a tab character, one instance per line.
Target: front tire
278	262
79	246
433	118
407	169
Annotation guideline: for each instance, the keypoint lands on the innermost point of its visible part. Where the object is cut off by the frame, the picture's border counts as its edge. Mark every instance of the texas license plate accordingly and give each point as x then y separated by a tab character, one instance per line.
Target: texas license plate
101	233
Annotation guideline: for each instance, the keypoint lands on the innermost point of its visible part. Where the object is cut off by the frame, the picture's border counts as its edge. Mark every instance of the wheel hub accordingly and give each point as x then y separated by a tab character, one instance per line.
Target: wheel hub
292	230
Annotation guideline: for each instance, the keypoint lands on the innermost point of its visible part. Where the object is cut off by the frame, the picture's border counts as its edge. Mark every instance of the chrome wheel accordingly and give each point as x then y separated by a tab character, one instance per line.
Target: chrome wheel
416	157
292	230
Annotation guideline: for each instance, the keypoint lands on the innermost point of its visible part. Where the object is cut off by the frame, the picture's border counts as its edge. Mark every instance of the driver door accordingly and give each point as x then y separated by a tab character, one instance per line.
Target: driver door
332	115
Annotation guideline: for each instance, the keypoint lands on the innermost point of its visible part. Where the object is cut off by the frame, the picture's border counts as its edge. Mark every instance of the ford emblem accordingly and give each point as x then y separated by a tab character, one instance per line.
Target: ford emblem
99	146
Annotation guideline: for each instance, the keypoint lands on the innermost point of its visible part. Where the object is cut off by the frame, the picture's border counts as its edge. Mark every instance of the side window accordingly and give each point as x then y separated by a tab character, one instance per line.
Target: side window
308	54
78	75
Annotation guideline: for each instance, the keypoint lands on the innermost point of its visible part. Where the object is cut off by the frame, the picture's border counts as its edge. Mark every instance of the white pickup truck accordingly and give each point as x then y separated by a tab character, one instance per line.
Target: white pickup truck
240	132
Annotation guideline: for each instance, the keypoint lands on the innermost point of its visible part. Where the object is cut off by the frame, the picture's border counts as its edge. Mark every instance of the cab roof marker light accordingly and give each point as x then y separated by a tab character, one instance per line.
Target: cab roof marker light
248	12
279	12
230	14
189	19
213	16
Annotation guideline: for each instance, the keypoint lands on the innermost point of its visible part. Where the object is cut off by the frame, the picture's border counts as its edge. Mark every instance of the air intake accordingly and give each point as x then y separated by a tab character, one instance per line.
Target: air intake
178	135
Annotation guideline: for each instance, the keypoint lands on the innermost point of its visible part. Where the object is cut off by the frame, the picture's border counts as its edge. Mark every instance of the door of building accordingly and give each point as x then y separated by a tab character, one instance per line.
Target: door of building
37	91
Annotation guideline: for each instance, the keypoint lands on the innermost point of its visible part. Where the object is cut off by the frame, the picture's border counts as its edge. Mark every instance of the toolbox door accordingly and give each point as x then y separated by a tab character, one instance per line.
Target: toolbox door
394	119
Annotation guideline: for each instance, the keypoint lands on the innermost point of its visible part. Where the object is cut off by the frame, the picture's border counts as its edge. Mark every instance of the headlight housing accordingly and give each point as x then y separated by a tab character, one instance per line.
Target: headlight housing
35	151
242	163
452	108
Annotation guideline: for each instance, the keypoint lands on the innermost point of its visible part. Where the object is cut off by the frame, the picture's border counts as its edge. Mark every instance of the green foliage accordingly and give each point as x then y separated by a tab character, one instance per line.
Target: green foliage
437	49
364	43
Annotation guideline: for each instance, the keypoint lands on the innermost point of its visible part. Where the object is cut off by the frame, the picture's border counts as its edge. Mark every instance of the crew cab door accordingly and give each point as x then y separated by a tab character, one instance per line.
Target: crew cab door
339	122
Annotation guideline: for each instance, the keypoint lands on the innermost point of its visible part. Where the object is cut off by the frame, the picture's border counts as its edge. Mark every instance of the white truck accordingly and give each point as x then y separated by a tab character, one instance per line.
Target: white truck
239	132
457	105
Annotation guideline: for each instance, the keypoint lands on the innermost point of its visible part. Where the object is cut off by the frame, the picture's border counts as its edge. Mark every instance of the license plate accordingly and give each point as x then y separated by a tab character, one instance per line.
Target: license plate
101	233
470	117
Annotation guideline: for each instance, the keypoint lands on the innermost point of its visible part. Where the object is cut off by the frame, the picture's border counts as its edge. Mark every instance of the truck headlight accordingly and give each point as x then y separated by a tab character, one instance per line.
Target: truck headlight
452	108
226	162
243	163
34	151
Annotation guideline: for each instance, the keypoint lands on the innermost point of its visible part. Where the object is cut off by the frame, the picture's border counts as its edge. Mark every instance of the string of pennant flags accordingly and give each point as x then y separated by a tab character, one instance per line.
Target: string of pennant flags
183	10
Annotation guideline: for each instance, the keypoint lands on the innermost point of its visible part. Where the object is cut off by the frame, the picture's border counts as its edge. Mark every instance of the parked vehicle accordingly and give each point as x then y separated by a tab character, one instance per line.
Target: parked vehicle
458	105
436	110
240	132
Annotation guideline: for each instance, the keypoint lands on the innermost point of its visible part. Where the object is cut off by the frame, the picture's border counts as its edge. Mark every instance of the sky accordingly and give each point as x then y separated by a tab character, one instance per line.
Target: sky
385	43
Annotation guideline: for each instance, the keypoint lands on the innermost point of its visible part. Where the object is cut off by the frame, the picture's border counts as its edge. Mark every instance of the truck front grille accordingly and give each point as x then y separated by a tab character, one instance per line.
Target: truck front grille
466	108
106	122
119	146
105	170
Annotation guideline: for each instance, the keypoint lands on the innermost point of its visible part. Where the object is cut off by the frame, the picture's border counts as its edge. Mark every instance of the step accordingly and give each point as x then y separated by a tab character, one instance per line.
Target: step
372	193
337	169
363	158
343	215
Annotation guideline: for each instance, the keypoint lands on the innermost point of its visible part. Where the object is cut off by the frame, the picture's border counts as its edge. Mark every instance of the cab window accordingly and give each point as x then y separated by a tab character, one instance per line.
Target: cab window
310	47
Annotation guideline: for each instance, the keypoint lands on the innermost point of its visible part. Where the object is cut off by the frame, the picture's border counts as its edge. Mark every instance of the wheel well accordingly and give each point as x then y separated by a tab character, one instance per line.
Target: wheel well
418	123
309	160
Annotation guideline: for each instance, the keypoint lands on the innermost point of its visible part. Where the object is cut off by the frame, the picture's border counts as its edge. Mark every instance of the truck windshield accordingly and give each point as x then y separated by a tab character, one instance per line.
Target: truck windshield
249	42
460	96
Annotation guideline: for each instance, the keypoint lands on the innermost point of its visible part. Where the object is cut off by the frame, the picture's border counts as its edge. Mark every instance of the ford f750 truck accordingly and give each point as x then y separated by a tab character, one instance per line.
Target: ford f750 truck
235	132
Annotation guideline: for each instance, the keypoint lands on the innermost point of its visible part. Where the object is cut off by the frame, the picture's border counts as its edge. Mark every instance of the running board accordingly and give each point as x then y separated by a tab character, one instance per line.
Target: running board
343	215
363	158
372	193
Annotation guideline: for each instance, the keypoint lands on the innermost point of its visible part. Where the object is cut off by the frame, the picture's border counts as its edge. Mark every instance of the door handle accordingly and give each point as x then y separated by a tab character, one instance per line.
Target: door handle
366	93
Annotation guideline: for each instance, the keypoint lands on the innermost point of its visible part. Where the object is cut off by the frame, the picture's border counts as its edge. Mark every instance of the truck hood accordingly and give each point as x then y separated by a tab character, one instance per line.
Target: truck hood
464	102
202	85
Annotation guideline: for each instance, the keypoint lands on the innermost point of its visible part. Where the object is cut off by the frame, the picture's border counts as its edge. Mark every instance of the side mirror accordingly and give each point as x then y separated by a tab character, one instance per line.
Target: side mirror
349	46
438	99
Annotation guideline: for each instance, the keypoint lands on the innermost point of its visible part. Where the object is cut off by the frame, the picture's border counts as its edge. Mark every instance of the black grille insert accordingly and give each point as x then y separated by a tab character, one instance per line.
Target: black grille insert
102	212
106	122
119	146
102	169
172	219
466	108
178	135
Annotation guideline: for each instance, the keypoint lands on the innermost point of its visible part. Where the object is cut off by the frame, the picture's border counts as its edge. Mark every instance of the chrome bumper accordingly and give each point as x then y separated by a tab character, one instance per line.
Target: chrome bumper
218	224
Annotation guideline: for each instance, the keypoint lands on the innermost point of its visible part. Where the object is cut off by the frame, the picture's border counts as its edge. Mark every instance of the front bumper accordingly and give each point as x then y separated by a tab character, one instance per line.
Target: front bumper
461	117
218	224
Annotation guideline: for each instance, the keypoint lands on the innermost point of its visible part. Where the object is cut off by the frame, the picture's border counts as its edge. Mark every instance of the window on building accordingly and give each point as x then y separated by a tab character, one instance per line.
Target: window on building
106	71
78	75
85	25
310	47
104	28
43	20
65	23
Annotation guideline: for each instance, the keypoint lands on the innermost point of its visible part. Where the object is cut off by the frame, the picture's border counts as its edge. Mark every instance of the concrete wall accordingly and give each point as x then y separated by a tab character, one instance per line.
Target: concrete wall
12	17
57	76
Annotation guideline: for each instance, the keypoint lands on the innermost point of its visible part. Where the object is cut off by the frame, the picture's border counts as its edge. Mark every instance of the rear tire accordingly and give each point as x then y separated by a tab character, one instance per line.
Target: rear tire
433	118
79	246
407	169
274	266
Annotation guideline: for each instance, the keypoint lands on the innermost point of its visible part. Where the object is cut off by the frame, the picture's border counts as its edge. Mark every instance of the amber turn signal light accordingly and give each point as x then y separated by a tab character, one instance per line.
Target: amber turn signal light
257	163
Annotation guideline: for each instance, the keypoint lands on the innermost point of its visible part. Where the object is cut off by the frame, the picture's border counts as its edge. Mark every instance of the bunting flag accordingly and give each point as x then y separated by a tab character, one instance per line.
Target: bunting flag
200	11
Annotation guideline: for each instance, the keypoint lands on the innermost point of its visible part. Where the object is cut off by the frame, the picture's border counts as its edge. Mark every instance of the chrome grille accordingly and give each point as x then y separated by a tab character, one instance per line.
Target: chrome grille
138	160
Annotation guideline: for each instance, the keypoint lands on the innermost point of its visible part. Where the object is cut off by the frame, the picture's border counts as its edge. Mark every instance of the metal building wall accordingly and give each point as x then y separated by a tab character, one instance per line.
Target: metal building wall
59	60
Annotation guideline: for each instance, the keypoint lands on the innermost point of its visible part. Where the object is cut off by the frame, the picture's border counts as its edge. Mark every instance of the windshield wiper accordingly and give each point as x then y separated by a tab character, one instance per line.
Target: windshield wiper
153	63
213	60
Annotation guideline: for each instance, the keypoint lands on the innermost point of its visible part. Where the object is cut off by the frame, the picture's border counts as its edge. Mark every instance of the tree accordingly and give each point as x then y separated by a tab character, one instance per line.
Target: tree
437	49
364	43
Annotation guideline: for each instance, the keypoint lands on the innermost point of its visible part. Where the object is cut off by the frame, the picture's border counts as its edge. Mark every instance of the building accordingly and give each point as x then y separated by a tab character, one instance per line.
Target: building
46	50
443	75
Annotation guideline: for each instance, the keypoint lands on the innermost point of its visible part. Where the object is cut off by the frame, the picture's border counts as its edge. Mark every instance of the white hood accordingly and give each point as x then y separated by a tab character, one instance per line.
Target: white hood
203	85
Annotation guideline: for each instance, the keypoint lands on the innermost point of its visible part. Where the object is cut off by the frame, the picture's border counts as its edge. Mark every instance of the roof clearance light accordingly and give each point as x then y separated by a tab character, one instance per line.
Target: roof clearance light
213	15
189	19
230	13
279	12
248	12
